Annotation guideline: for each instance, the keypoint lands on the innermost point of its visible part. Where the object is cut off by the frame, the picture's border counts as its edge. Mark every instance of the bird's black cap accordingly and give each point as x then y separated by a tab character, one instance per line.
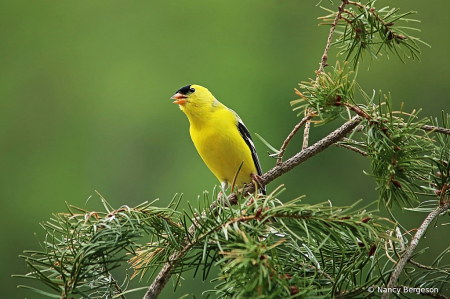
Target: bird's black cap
184	90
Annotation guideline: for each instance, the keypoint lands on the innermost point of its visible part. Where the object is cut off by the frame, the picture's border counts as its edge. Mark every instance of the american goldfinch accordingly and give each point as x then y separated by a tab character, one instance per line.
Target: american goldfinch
220	137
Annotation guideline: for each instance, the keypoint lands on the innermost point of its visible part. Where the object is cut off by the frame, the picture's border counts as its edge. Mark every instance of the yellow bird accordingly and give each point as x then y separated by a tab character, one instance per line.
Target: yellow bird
220	137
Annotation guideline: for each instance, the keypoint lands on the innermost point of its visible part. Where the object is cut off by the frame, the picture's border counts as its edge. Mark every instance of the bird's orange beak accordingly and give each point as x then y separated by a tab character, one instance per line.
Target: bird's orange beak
179	98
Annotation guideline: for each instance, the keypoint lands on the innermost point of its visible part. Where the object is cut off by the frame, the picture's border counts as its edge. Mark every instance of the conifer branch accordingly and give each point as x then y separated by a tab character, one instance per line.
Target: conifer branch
436	129
323	62
419	265
302	156
165	273
412	246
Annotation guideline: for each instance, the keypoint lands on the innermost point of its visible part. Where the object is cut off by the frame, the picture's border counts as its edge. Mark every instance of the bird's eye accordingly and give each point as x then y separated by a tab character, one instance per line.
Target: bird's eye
192	89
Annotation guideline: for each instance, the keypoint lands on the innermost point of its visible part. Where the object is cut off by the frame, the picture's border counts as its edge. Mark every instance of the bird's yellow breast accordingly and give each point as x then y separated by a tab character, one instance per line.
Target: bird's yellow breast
222	147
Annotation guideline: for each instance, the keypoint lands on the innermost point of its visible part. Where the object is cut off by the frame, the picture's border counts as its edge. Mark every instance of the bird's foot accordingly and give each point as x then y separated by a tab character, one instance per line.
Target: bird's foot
257	179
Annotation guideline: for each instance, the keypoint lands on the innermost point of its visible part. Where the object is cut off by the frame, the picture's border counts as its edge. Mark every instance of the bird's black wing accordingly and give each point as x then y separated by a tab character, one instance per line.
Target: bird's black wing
248	140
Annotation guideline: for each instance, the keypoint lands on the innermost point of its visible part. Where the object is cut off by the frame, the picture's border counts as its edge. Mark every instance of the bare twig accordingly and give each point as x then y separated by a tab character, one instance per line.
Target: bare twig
436	129
355	149
306	134
429	128
412	246
165	273
303	155
419	265
290	136
356	4
323	62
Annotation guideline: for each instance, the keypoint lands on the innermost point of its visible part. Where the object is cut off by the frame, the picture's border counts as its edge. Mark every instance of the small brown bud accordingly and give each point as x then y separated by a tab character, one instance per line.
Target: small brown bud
258	214
372	250
390	35
397	184
365	219
439	174
360	244
294	290
345	218
438	192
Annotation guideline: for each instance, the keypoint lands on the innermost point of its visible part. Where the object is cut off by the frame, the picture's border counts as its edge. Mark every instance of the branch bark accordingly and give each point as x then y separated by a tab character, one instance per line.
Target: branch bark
323	62
165	273
436	129
412	246
291	135
352	148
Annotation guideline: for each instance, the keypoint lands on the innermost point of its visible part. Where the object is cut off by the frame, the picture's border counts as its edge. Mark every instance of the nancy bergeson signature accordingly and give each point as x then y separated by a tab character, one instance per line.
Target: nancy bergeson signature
403	290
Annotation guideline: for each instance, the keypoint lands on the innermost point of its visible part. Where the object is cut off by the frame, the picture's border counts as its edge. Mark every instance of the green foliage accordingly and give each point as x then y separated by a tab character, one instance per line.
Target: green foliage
437	275
397	148
304	253
82	247
365	29
440	157
328	95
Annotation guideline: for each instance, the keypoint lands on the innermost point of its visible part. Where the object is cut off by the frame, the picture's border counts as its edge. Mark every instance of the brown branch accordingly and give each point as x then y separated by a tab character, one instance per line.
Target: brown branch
412	246
165	273
358	111
419	265
290	136
306	134
302	156
436	129
356	4
323	62
355	149
429	128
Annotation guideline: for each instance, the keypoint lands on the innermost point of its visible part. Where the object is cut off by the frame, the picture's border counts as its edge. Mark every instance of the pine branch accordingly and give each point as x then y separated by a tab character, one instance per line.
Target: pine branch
419	265
164	275
412	246
303	155
323	62
436	129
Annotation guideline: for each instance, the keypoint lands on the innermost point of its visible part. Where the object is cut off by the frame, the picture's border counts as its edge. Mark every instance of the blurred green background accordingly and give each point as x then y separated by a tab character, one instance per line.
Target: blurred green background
85	105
